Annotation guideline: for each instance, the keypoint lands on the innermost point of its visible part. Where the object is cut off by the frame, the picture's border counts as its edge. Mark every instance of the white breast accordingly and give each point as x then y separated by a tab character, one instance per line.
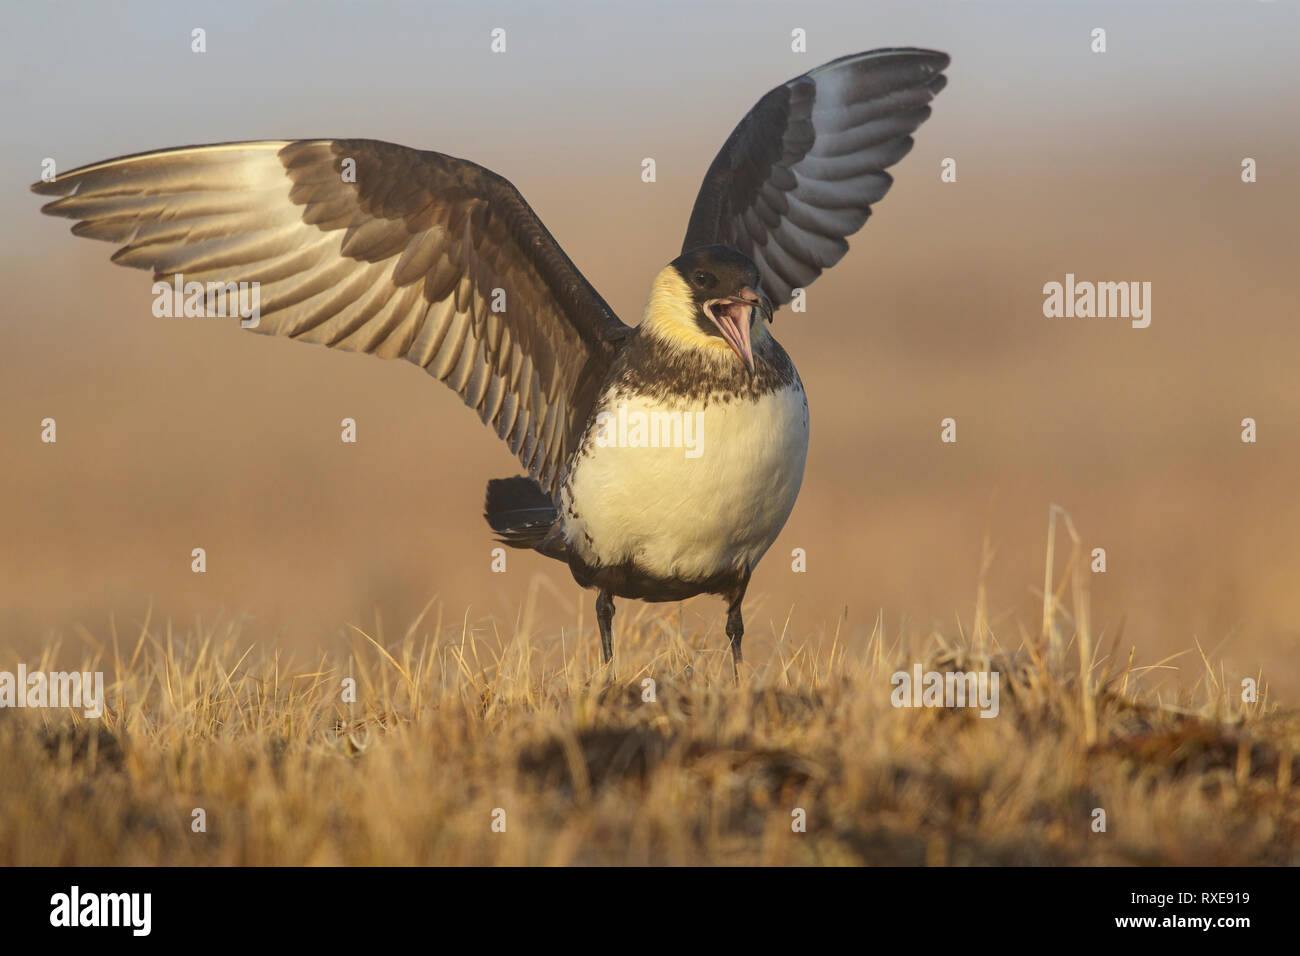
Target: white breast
713	496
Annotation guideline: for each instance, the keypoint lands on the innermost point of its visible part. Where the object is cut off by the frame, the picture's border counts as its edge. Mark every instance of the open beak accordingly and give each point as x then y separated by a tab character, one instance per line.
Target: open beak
732	317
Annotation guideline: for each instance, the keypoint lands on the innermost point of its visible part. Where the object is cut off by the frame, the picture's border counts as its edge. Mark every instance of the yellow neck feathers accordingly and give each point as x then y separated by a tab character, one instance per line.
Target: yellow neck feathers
670	317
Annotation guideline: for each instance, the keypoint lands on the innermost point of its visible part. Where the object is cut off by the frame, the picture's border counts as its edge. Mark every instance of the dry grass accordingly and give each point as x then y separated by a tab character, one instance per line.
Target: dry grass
445	731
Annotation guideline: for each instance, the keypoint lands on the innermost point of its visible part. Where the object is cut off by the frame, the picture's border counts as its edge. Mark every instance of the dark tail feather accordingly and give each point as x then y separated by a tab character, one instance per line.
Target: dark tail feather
522	515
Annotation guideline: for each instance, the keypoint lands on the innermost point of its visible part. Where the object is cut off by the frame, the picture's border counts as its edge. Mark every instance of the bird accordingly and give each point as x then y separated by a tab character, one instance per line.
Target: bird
662	459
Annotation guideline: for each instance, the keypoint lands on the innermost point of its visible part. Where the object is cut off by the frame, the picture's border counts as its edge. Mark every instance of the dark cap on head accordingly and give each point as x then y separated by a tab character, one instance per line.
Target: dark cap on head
715	272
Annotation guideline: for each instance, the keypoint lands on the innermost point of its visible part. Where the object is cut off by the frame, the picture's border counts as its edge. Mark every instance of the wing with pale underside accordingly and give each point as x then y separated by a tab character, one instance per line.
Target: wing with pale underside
802	170
372	247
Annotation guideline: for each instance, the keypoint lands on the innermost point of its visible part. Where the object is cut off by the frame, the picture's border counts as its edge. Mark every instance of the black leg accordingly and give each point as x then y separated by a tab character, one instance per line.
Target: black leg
605	618
736	633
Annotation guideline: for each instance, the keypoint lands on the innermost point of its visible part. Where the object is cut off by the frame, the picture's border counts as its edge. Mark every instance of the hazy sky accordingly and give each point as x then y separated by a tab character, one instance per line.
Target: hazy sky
594	87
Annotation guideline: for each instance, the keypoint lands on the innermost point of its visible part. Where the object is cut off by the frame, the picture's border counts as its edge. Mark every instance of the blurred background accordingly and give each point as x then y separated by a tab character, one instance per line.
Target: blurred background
1123	166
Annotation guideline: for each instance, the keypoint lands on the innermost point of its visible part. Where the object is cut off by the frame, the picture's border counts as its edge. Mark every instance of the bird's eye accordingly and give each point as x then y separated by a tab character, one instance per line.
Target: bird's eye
705	280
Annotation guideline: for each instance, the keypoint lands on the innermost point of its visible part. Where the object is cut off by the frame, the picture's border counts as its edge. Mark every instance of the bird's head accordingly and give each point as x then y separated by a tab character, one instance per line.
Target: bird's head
709	299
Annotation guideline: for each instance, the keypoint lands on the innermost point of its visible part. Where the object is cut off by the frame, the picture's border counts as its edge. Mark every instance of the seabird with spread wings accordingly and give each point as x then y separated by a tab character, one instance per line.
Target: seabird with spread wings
662	459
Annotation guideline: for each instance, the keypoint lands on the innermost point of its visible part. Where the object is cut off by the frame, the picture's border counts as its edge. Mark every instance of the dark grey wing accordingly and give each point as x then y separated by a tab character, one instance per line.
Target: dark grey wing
371	247
802	169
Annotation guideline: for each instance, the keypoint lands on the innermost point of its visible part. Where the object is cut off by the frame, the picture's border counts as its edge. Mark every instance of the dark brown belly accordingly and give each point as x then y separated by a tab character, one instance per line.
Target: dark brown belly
629	581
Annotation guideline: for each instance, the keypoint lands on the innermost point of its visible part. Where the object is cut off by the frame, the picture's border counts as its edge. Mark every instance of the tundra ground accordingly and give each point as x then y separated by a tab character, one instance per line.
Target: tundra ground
464	747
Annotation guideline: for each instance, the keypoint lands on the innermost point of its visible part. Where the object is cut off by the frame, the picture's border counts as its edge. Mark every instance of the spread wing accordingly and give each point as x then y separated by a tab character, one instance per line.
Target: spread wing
801	171
372	247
